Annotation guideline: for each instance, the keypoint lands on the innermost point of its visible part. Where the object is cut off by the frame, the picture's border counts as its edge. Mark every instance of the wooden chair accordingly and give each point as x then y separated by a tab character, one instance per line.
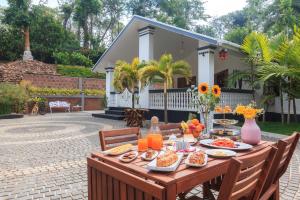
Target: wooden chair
112	138
108	182
169	129
246	175
286	148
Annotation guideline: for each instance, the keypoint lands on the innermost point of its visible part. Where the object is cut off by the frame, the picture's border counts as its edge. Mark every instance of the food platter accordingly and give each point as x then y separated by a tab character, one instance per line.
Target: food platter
220	153
225	122
193	164
144	157
226	132
152	165
239	145
119	150
128	157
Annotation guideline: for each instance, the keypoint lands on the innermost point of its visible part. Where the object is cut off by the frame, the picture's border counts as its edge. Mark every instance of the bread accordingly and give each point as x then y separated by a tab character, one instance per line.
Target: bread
166	159
197	158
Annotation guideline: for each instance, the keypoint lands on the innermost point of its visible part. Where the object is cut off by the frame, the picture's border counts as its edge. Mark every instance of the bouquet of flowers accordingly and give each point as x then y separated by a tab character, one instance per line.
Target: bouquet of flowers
205	98
193	127
249	111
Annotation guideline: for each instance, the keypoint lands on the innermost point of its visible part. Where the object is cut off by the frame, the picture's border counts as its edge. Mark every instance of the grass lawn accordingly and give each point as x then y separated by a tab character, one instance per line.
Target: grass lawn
277	127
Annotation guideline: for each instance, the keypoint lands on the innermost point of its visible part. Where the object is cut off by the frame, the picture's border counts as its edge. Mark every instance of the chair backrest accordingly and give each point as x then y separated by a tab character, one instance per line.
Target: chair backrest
108	182
169	129
246	175
286	148
112	138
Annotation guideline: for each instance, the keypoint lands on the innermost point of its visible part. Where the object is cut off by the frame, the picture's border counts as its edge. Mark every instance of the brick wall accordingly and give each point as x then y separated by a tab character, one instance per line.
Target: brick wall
57	81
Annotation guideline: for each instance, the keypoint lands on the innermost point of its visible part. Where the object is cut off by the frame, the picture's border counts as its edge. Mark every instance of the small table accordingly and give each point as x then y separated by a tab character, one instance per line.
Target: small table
174	183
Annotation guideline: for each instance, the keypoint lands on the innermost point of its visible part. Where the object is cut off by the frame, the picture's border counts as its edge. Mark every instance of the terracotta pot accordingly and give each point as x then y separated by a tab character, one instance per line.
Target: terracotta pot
250	132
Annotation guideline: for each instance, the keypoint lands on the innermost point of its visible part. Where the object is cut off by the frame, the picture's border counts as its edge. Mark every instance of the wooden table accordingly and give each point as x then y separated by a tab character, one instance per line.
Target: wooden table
180	181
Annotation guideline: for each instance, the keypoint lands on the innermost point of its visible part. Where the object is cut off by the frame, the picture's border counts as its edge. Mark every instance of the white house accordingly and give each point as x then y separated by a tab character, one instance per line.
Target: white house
149	39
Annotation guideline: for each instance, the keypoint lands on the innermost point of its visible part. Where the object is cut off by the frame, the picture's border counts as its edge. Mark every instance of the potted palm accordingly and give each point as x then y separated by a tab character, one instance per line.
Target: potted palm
163	71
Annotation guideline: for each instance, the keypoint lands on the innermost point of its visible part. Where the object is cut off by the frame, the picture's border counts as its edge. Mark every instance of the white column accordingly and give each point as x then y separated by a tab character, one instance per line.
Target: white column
109	83
206	68
146	51
206	64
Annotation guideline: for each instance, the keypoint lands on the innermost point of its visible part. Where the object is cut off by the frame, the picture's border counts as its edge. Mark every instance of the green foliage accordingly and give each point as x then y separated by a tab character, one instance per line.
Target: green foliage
74	58
18	14
11	43
12	98
78	71
237	35
206	30
35	91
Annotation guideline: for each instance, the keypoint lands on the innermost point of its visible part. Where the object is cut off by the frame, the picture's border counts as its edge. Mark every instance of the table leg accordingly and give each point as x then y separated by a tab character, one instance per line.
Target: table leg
207	194
171	192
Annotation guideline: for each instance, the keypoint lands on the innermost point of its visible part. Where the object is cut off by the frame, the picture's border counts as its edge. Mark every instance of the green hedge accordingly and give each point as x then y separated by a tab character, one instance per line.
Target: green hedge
35	91
74	58
78	71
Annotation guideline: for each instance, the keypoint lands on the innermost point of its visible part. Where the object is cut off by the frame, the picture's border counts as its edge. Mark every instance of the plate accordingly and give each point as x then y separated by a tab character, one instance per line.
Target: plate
240	145
108	152
152	165
212	152
128	160
195	165
228	132
149	159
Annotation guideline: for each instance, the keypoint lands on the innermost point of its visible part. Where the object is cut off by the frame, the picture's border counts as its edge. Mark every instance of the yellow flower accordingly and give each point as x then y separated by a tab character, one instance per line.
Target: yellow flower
216	90
240	109
203	88
249	113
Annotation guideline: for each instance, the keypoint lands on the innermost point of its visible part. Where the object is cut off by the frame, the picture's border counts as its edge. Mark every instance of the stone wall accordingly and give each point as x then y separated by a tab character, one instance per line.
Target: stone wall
14	71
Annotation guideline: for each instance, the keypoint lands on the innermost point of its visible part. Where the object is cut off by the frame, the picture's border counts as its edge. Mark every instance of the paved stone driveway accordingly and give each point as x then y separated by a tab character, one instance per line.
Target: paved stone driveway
44	157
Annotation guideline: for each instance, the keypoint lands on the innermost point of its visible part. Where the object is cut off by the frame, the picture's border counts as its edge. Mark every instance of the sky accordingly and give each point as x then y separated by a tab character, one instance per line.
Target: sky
214	8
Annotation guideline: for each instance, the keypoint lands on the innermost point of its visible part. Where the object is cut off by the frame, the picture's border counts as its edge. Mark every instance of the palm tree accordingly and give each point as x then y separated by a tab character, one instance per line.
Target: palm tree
285	69
256	46
163	71
126	76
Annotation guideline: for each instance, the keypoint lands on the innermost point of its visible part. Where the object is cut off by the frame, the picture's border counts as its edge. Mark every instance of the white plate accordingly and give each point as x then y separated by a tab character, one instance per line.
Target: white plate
152	165
195	165
149	159
108	152
212	152
126	160
240	145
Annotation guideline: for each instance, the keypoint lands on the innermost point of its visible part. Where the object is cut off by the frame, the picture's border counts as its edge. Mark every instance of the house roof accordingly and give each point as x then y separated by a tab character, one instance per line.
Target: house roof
167	27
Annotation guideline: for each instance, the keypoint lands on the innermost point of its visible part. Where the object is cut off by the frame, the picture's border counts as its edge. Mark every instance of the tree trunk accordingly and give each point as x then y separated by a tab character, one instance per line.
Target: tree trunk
295	110
165	103
281	103
252	81
85	35
78	33
26	39
132	99
65	22
289	111
91	29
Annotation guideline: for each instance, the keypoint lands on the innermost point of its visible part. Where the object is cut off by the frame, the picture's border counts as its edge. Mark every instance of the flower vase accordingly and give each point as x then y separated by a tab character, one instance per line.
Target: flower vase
250	132
204	118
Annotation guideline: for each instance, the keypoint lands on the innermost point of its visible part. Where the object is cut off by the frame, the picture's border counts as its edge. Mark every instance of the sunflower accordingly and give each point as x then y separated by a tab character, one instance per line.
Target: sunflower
203	88
216	90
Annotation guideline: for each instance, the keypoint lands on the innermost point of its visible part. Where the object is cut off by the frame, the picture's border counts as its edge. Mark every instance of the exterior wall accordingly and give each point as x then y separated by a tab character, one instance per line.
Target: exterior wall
277	108
57	81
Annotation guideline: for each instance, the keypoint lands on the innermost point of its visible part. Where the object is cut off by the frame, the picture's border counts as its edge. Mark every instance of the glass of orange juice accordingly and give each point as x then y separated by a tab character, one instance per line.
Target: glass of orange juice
143	144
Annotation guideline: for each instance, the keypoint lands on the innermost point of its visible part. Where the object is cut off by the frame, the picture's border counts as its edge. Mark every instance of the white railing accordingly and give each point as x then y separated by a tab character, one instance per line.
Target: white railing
179	99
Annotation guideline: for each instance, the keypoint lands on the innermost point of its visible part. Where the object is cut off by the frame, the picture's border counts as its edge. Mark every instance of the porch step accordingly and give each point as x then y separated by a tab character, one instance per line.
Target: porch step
108	116
116	113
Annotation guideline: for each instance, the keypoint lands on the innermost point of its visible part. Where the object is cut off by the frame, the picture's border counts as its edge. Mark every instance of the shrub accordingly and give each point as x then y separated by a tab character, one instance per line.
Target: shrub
61	58
78	71
74	58
12	98
35	91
